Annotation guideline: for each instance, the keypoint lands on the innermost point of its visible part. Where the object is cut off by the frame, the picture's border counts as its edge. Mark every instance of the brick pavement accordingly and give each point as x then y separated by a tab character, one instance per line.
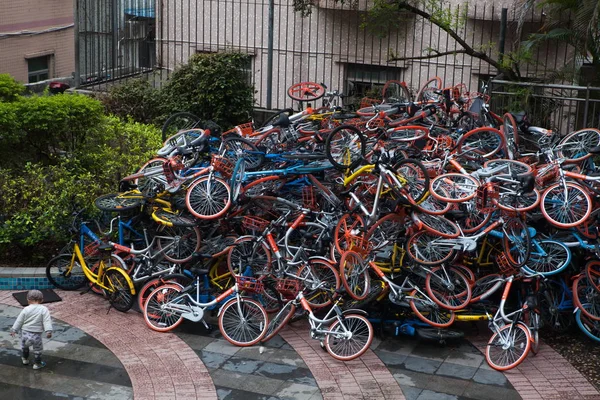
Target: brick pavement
547	375
366	377
160	365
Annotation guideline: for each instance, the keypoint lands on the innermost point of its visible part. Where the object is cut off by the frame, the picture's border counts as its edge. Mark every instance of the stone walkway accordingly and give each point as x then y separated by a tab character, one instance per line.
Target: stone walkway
115	356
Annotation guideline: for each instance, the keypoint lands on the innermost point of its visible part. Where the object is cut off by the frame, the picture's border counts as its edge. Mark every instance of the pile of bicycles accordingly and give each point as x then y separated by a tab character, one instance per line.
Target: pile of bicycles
409	212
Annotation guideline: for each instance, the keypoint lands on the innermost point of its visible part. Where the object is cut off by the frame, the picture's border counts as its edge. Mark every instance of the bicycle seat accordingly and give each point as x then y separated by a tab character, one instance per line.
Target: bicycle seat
519	117
106	247
283	121
198	271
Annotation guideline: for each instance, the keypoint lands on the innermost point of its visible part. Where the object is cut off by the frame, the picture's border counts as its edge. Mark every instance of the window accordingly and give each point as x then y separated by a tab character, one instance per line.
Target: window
38	68
367	80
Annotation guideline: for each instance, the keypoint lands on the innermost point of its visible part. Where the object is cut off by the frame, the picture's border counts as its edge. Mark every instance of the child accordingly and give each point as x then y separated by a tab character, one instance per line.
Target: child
32	321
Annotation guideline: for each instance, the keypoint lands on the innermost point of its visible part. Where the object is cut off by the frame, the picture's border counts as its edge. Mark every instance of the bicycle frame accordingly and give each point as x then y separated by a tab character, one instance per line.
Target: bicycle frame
95	278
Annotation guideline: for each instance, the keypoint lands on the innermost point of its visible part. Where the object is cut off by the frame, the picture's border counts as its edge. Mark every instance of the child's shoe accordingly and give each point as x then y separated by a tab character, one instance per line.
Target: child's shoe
39	365
25	361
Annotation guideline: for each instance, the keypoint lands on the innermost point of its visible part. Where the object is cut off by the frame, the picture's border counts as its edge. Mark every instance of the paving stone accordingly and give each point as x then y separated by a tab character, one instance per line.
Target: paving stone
490	392
221	346
298	391
391	358
410	393
431	351
456	371
421	364
410	378
241	365
212	360
490	377
286	373
431	395
398	346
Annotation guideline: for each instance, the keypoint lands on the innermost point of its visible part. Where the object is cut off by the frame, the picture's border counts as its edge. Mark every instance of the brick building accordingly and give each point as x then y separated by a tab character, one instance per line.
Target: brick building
37	39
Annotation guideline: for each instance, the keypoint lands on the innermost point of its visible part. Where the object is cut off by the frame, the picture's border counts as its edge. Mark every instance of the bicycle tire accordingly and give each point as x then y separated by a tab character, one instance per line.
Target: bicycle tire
178	122
576	146
187	242
247	253
480	143
423	249
433	206
348	225
253	325
485	286
144	184
121	291
237	178
440	335
514	201
586	298
588	326
279	321
57	272
205	205
430	313
416	177
362	337
315	272
235	147
395	92
450	290
407	133
510	131
387	229
561	213
153	283
354	274
524	337
306	91
155	315
345	147
458	188
516	242
592	272
434	83
556	260
118	202
512	168
438	225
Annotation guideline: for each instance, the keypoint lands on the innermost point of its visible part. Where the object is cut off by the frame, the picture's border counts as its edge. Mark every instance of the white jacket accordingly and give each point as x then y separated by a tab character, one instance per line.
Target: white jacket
34	318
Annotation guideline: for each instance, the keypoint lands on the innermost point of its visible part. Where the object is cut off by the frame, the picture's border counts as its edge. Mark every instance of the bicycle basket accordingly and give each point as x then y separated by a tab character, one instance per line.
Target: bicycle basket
242	130
288	288
486	197
249	284
545	175
308	198
360	245
91	249
222	165
504	265
253	223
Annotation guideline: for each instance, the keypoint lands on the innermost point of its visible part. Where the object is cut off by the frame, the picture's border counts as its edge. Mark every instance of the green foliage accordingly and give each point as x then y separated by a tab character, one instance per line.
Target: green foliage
42	128
212	86
445	16
135	98
383	17
10	89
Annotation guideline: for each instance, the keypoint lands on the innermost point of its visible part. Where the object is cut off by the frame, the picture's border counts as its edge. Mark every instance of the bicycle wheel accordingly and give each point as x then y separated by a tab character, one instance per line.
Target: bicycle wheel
349	338
555	310
306	91
516	242
395	92
508	347
437	225
354	273
414	178
439	335
118	202
427	249
178	122
510	168
586	297
60	273
386	231
349	225
120	290
248	253
157	312
429	312
243	322
208	197
173	279
592	272
566	204
345	147
576	146
268	185
312	275
448	288
510	199
406	133
237	179
178	243
480	143
277	323
471	219
235	148
457	188
510	131
548	257
533	321
431	205
588	326
146	184
426	92
485	286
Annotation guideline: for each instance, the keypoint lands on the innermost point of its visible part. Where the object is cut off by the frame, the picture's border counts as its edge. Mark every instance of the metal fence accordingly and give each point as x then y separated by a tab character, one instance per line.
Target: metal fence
117	39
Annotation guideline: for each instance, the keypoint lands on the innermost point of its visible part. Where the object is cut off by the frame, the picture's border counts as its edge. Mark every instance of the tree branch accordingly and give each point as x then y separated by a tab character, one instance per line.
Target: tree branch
445	53
467	48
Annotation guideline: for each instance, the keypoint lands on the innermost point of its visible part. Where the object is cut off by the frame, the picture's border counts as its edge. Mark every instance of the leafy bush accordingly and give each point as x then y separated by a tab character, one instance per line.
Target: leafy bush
135	99
42	128
212	86
10	89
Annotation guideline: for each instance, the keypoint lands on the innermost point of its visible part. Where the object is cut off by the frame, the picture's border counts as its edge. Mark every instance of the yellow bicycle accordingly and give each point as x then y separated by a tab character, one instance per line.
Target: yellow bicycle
71	272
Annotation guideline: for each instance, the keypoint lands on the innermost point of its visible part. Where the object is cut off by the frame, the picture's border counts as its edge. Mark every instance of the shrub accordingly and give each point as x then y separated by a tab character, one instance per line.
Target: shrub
212	86
10	89
135	99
